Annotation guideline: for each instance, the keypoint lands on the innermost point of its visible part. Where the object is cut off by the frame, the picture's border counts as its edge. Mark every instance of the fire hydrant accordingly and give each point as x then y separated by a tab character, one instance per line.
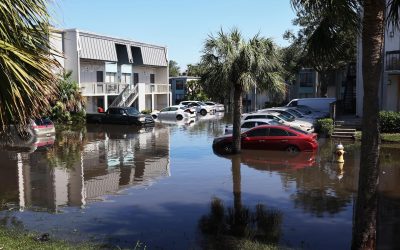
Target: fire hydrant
339	152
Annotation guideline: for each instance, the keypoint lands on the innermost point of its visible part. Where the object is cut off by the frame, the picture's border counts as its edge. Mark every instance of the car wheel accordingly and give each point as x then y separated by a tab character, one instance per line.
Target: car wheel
227	148
179	117
203	112
154	116
292	149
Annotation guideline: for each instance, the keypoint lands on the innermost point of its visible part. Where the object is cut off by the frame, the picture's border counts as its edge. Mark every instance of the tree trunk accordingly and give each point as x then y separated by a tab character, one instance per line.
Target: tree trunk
364	225
237	112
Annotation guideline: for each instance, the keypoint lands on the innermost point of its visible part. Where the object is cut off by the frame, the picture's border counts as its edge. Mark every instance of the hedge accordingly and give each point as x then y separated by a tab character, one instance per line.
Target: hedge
389	121
324	126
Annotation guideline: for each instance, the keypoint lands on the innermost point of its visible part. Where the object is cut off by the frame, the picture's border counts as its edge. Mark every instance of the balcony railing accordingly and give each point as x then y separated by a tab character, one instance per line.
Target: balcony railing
157	88
102	88
108	88
393	60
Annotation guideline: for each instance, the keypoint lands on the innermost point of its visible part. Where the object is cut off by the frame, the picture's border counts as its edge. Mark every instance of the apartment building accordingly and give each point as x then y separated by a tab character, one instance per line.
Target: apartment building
116	72
179	88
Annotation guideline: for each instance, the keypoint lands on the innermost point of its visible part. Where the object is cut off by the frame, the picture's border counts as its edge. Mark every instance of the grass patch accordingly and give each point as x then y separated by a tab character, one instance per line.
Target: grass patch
385	137
13	239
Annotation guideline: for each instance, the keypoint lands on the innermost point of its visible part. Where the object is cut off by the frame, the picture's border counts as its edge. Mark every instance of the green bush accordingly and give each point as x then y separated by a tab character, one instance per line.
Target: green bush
146	111
324	126
389	121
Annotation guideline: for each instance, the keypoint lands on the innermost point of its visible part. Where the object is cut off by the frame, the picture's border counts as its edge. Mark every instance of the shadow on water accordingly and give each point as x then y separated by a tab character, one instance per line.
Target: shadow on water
234	227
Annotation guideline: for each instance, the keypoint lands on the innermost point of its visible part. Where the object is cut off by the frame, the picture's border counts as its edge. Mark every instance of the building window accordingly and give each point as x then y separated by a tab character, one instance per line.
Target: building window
125	78
179	85
110	76
135	78
306	79
152	78
99	76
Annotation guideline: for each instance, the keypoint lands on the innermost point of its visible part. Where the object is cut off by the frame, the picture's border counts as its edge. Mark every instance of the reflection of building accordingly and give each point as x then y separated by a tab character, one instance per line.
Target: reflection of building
104	166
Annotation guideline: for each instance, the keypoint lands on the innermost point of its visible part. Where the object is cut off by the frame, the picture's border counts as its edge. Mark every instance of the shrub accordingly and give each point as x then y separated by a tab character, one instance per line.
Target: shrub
324	126
146	111
389	121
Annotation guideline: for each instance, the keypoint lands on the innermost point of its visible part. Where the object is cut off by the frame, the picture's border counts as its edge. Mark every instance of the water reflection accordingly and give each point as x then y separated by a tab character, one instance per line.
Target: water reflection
117	174
82	165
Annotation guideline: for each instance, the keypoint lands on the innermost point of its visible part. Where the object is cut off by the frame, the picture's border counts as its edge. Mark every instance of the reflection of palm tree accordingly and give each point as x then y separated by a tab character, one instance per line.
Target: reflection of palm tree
228	228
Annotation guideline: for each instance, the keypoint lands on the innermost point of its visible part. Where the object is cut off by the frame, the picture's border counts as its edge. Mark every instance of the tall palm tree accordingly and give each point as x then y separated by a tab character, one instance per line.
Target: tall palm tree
369	17
237	65
26	61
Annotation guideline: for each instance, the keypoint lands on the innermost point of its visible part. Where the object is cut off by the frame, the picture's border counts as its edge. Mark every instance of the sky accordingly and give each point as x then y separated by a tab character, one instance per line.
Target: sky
181	25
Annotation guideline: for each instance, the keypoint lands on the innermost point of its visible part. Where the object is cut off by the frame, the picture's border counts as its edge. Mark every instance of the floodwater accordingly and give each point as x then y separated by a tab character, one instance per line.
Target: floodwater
117	185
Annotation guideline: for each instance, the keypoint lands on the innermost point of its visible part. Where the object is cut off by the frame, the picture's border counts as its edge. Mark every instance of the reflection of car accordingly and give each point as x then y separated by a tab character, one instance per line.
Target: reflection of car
218	107
269	137
275	160
183	122
30	145
248	124
305	126
176	112
201	107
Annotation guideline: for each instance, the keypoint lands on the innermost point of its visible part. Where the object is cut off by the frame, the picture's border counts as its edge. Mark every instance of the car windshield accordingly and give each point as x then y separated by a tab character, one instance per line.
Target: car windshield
296	113
202	103
285	118
210	103
132	111
43	121
290	111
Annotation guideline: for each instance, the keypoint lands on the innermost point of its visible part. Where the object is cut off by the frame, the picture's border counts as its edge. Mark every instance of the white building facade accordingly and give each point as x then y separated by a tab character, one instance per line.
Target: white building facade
116	72
389	91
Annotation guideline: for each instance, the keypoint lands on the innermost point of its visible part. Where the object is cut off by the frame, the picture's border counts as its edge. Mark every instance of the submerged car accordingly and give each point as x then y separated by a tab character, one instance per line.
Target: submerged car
269	137
281	118
248	124
200	107
217	106
175	112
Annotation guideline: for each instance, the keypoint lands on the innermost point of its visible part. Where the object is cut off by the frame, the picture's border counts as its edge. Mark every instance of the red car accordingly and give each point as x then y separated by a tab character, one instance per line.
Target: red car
269	137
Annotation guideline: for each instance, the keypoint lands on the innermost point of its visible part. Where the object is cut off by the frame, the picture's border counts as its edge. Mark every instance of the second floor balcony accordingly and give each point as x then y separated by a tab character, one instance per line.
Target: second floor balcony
112	88
392	60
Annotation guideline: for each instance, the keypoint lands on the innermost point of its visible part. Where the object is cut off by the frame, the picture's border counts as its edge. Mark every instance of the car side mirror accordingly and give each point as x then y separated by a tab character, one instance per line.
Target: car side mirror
244	136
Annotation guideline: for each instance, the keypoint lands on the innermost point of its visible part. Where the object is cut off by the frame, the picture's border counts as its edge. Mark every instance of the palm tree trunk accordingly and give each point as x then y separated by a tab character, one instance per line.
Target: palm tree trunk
237	112
364	225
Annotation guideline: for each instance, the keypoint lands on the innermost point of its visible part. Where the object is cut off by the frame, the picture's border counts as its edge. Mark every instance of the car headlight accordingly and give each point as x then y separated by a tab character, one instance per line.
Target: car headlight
142	119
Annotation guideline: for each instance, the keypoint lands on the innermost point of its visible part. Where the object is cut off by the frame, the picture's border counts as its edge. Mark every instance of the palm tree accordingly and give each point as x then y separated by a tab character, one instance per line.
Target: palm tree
27	80
238	65
371	15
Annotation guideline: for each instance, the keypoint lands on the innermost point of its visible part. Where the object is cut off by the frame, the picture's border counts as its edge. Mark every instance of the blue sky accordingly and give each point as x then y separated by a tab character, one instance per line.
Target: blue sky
181	25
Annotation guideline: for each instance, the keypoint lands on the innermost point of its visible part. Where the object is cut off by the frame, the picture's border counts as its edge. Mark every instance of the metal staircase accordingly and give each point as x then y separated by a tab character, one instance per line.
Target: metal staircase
126	97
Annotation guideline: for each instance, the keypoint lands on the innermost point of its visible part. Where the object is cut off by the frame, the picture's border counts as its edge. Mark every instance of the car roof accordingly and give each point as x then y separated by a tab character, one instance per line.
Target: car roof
266	111
284	127
259	120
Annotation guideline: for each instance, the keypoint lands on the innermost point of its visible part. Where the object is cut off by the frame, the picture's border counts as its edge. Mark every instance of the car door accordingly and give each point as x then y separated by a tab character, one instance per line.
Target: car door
112	115
163	113
278	139
172	112
254	138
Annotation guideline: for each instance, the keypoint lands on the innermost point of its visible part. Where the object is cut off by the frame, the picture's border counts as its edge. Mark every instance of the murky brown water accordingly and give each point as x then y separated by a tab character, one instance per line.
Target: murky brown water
118	185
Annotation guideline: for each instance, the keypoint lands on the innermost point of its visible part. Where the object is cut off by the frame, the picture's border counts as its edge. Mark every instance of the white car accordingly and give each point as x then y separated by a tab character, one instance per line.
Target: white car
218	107
248	124
175	112
201	107
291	113
284	120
